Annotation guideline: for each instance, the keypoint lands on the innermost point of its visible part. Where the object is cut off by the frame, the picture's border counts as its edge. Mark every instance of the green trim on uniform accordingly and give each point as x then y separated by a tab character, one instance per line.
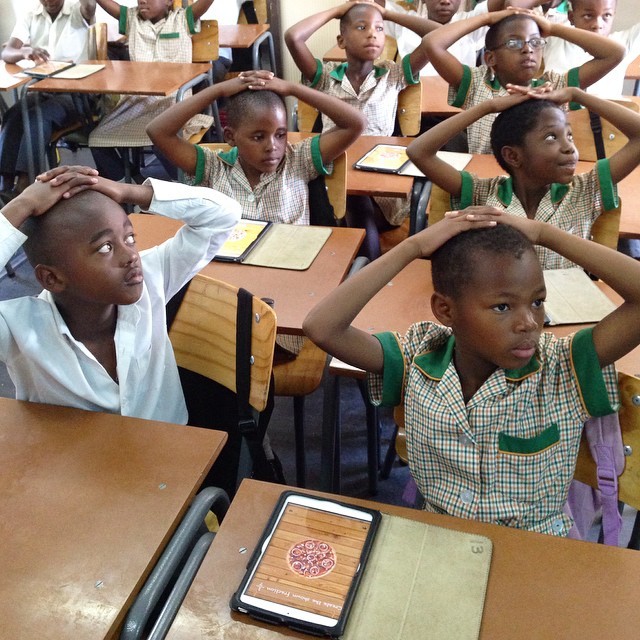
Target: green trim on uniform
588	371
316	156
229	157
608	190
393	369
573	80
191	22
504	192
463	89
339	72
529	446
517	375
122	21
466	190
199	172
434	363
168	36
409	76
318	75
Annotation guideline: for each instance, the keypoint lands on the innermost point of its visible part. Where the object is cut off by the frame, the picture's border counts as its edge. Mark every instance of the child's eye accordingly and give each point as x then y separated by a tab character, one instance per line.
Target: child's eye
379	28
130	239
538	304
105	248
502	307
550	136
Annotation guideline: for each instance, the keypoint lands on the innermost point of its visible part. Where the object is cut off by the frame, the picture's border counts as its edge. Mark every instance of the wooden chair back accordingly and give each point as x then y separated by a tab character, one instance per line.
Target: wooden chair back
629	414
439	203
612	137
410	109
203	336
98	41
336	183
204	44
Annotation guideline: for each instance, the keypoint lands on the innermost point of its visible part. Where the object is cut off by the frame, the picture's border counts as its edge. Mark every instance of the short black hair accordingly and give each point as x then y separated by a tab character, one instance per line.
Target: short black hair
452	264
43	245
347	16
238	105
513	124
494	37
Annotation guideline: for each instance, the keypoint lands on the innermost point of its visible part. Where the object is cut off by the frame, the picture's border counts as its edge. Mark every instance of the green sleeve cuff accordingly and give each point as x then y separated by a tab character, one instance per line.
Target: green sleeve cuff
318	75
608	190
573	80
200	162
589	378
466	190
122	21
408	71
393	371
191	23
316	157
463	89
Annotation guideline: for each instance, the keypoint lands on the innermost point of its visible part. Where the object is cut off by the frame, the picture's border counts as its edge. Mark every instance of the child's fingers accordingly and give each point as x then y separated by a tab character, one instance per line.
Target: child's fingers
58	173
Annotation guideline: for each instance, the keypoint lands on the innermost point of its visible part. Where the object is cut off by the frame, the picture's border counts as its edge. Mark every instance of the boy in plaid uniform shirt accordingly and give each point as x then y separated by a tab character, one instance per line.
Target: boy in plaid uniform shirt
494	408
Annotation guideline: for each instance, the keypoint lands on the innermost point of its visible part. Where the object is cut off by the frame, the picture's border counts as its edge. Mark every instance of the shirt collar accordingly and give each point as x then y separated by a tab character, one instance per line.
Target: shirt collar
229	157
339	72
494	83
433	364
557	191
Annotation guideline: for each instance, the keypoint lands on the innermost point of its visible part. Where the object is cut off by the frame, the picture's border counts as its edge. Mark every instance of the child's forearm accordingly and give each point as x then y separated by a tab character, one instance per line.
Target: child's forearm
412	21
111	7
303	30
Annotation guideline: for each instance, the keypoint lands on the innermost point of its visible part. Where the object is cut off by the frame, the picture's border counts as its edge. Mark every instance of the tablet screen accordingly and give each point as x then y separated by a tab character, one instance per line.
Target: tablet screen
308	562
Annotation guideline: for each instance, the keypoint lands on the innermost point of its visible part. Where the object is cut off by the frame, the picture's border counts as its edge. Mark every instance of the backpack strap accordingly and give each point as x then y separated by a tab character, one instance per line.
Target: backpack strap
596	130
605	443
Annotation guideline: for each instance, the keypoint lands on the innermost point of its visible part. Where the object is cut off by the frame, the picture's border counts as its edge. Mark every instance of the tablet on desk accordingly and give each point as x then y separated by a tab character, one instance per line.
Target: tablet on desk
48	68
244	237
306	568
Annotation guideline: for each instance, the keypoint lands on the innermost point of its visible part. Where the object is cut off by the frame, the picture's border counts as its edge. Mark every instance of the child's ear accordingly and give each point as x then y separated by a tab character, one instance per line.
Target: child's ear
229	136
340	41
489	59
512	156
442	307
50	278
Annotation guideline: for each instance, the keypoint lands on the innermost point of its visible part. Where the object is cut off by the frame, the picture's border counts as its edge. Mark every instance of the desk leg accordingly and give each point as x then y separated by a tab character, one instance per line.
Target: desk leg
330	454
256	51
373	438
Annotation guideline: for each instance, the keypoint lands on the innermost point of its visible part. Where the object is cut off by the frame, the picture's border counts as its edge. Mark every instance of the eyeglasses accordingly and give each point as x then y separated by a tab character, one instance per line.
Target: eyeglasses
517	44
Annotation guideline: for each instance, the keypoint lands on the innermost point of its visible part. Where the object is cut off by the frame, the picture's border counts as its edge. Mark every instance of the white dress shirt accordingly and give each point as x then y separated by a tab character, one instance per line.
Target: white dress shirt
48	365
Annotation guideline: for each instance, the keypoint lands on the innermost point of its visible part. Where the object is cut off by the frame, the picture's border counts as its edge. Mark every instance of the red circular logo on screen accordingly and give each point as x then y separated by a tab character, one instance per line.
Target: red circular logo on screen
311	558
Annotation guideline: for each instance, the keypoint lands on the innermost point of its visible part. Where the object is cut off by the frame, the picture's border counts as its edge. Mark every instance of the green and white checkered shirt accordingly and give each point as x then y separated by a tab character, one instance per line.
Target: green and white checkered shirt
571	207
477	86
378	95
281	196
508	455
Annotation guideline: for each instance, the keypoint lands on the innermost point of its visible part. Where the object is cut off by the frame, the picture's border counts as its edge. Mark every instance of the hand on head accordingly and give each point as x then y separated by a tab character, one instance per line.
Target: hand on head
74	179
265	81
544	92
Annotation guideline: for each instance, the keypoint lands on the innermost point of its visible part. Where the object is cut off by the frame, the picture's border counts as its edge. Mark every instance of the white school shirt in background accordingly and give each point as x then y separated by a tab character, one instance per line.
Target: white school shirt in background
560	55
225	12
465	50
64	39
48	365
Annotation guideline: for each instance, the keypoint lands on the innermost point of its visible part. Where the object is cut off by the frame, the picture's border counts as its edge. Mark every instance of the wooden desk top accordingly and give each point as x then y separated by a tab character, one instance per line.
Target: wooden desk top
240	36
539	586
87	503
633	70
294	292
486	166
124	76
12	69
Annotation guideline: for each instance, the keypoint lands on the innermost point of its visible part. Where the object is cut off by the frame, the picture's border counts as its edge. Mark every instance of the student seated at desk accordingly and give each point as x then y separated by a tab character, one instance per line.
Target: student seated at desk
513	54
96	337
268	176
156	32
372	88
532	142
596	16
56	30
494	408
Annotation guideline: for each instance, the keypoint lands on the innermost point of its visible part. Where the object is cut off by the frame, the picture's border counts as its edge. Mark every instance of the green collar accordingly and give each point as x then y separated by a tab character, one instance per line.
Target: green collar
494	83
230	157
339	72
434	363
505	191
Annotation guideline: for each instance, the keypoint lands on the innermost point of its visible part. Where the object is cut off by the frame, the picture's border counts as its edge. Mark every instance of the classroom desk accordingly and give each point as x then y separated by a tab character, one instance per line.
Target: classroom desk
539	586
293	292
485	166
633	73
245	36
87	503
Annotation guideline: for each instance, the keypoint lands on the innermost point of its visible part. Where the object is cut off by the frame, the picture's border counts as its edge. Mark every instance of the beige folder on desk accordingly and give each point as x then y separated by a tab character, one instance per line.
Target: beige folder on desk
288	246
421	581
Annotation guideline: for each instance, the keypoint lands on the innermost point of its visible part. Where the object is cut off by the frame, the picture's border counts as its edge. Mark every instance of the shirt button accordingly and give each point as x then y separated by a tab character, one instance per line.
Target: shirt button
251	198
466	496
558	526
465	440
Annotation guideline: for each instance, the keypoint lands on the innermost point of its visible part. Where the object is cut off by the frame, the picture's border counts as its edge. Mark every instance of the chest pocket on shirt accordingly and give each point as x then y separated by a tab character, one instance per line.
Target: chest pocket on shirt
528	467
169	46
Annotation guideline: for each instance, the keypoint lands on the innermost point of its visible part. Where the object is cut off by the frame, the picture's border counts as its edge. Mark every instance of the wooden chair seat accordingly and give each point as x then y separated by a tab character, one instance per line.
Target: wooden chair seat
303	375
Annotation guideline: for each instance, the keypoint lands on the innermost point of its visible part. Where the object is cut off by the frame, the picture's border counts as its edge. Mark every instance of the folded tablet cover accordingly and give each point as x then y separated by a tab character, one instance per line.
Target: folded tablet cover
421	581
